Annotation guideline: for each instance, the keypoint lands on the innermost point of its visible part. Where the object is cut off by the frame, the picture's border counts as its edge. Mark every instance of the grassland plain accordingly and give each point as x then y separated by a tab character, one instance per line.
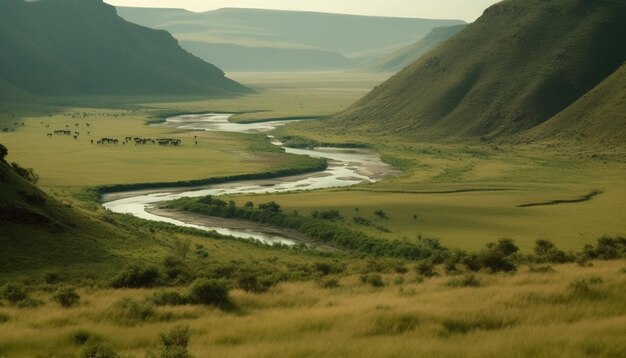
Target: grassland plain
529	314
465	194
62	161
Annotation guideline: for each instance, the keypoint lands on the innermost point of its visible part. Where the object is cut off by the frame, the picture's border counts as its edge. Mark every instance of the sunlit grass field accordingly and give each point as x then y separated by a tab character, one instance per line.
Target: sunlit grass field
529	314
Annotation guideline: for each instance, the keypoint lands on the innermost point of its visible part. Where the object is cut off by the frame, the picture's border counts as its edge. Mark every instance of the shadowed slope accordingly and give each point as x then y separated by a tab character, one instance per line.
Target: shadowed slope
599	117
406	56
520	64
59	47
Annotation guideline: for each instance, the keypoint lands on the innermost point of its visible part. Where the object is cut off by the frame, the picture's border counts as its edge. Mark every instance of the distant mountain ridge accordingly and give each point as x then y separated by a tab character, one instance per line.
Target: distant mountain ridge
332	40
520	65
77	47
400	59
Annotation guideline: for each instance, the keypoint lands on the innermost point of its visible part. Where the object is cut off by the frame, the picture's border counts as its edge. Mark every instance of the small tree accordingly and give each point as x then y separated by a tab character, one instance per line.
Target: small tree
181	248
174	343
14	293
542	247
3	152
135	276
381	214
67	297
209	292
270	207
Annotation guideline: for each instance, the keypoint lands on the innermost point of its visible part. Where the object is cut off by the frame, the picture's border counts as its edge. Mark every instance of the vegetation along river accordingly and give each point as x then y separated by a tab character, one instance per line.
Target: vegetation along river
346	167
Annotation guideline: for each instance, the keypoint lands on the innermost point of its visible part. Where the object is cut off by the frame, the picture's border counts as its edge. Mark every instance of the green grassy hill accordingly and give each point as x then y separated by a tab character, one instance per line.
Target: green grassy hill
288	33
41	234
69	47
520	64
400	59
599	117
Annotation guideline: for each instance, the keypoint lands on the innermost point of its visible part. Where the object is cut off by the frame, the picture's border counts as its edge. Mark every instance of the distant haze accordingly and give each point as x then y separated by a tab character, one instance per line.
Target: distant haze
468	10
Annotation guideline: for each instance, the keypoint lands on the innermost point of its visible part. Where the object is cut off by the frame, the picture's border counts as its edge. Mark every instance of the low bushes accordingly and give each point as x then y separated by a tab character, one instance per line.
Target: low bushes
14	293
174	344
373	279
202	291
209	292
95	349
136	276
322	230
67	297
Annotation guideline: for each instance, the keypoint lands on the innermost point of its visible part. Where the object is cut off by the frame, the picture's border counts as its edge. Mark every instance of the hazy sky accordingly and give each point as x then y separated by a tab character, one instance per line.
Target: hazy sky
467	10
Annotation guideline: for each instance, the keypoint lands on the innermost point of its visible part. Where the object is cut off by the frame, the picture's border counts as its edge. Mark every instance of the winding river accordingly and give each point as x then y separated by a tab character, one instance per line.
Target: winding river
346	167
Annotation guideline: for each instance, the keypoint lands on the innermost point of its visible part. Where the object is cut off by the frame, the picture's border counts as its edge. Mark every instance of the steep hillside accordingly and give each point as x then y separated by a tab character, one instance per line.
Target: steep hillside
39	233
599	117
61	47
398	60
520	64
285	32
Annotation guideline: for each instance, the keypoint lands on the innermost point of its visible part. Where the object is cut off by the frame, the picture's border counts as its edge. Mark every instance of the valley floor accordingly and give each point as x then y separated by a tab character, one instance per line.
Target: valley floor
464	194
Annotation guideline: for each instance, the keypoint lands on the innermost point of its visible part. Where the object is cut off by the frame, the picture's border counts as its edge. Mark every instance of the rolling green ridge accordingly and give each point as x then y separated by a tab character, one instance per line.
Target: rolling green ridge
398	60
519	65
278	37
599	117
72	47
40	232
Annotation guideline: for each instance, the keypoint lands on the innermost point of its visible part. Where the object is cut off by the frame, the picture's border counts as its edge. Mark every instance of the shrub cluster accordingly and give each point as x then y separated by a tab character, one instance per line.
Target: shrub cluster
202	291
136	276
323	230
67	297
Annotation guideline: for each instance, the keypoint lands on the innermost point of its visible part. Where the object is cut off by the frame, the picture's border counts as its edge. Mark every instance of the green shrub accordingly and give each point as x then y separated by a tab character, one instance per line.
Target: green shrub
609	248
271	207
174	267
51	278
136	276
96	349
4	318
209	292
81	337
499	257
174	343
3	152
14	293
129	312
466	281
327	215
30	302
26	173
168	298
426	269
326	268
67	297
545	251
373	279
329	283
381	214
250	282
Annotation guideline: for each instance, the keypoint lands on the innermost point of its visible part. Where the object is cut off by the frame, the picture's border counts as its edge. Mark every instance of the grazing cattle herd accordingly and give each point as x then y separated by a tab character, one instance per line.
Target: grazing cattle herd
137	141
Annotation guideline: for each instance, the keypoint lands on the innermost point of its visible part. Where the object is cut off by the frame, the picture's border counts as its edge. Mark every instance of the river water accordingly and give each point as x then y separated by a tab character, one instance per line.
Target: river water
346	167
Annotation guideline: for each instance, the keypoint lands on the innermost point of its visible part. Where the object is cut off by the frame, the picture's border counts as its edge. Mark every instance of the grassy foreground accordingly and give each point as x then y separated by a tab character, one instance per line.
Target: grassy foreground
572	312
